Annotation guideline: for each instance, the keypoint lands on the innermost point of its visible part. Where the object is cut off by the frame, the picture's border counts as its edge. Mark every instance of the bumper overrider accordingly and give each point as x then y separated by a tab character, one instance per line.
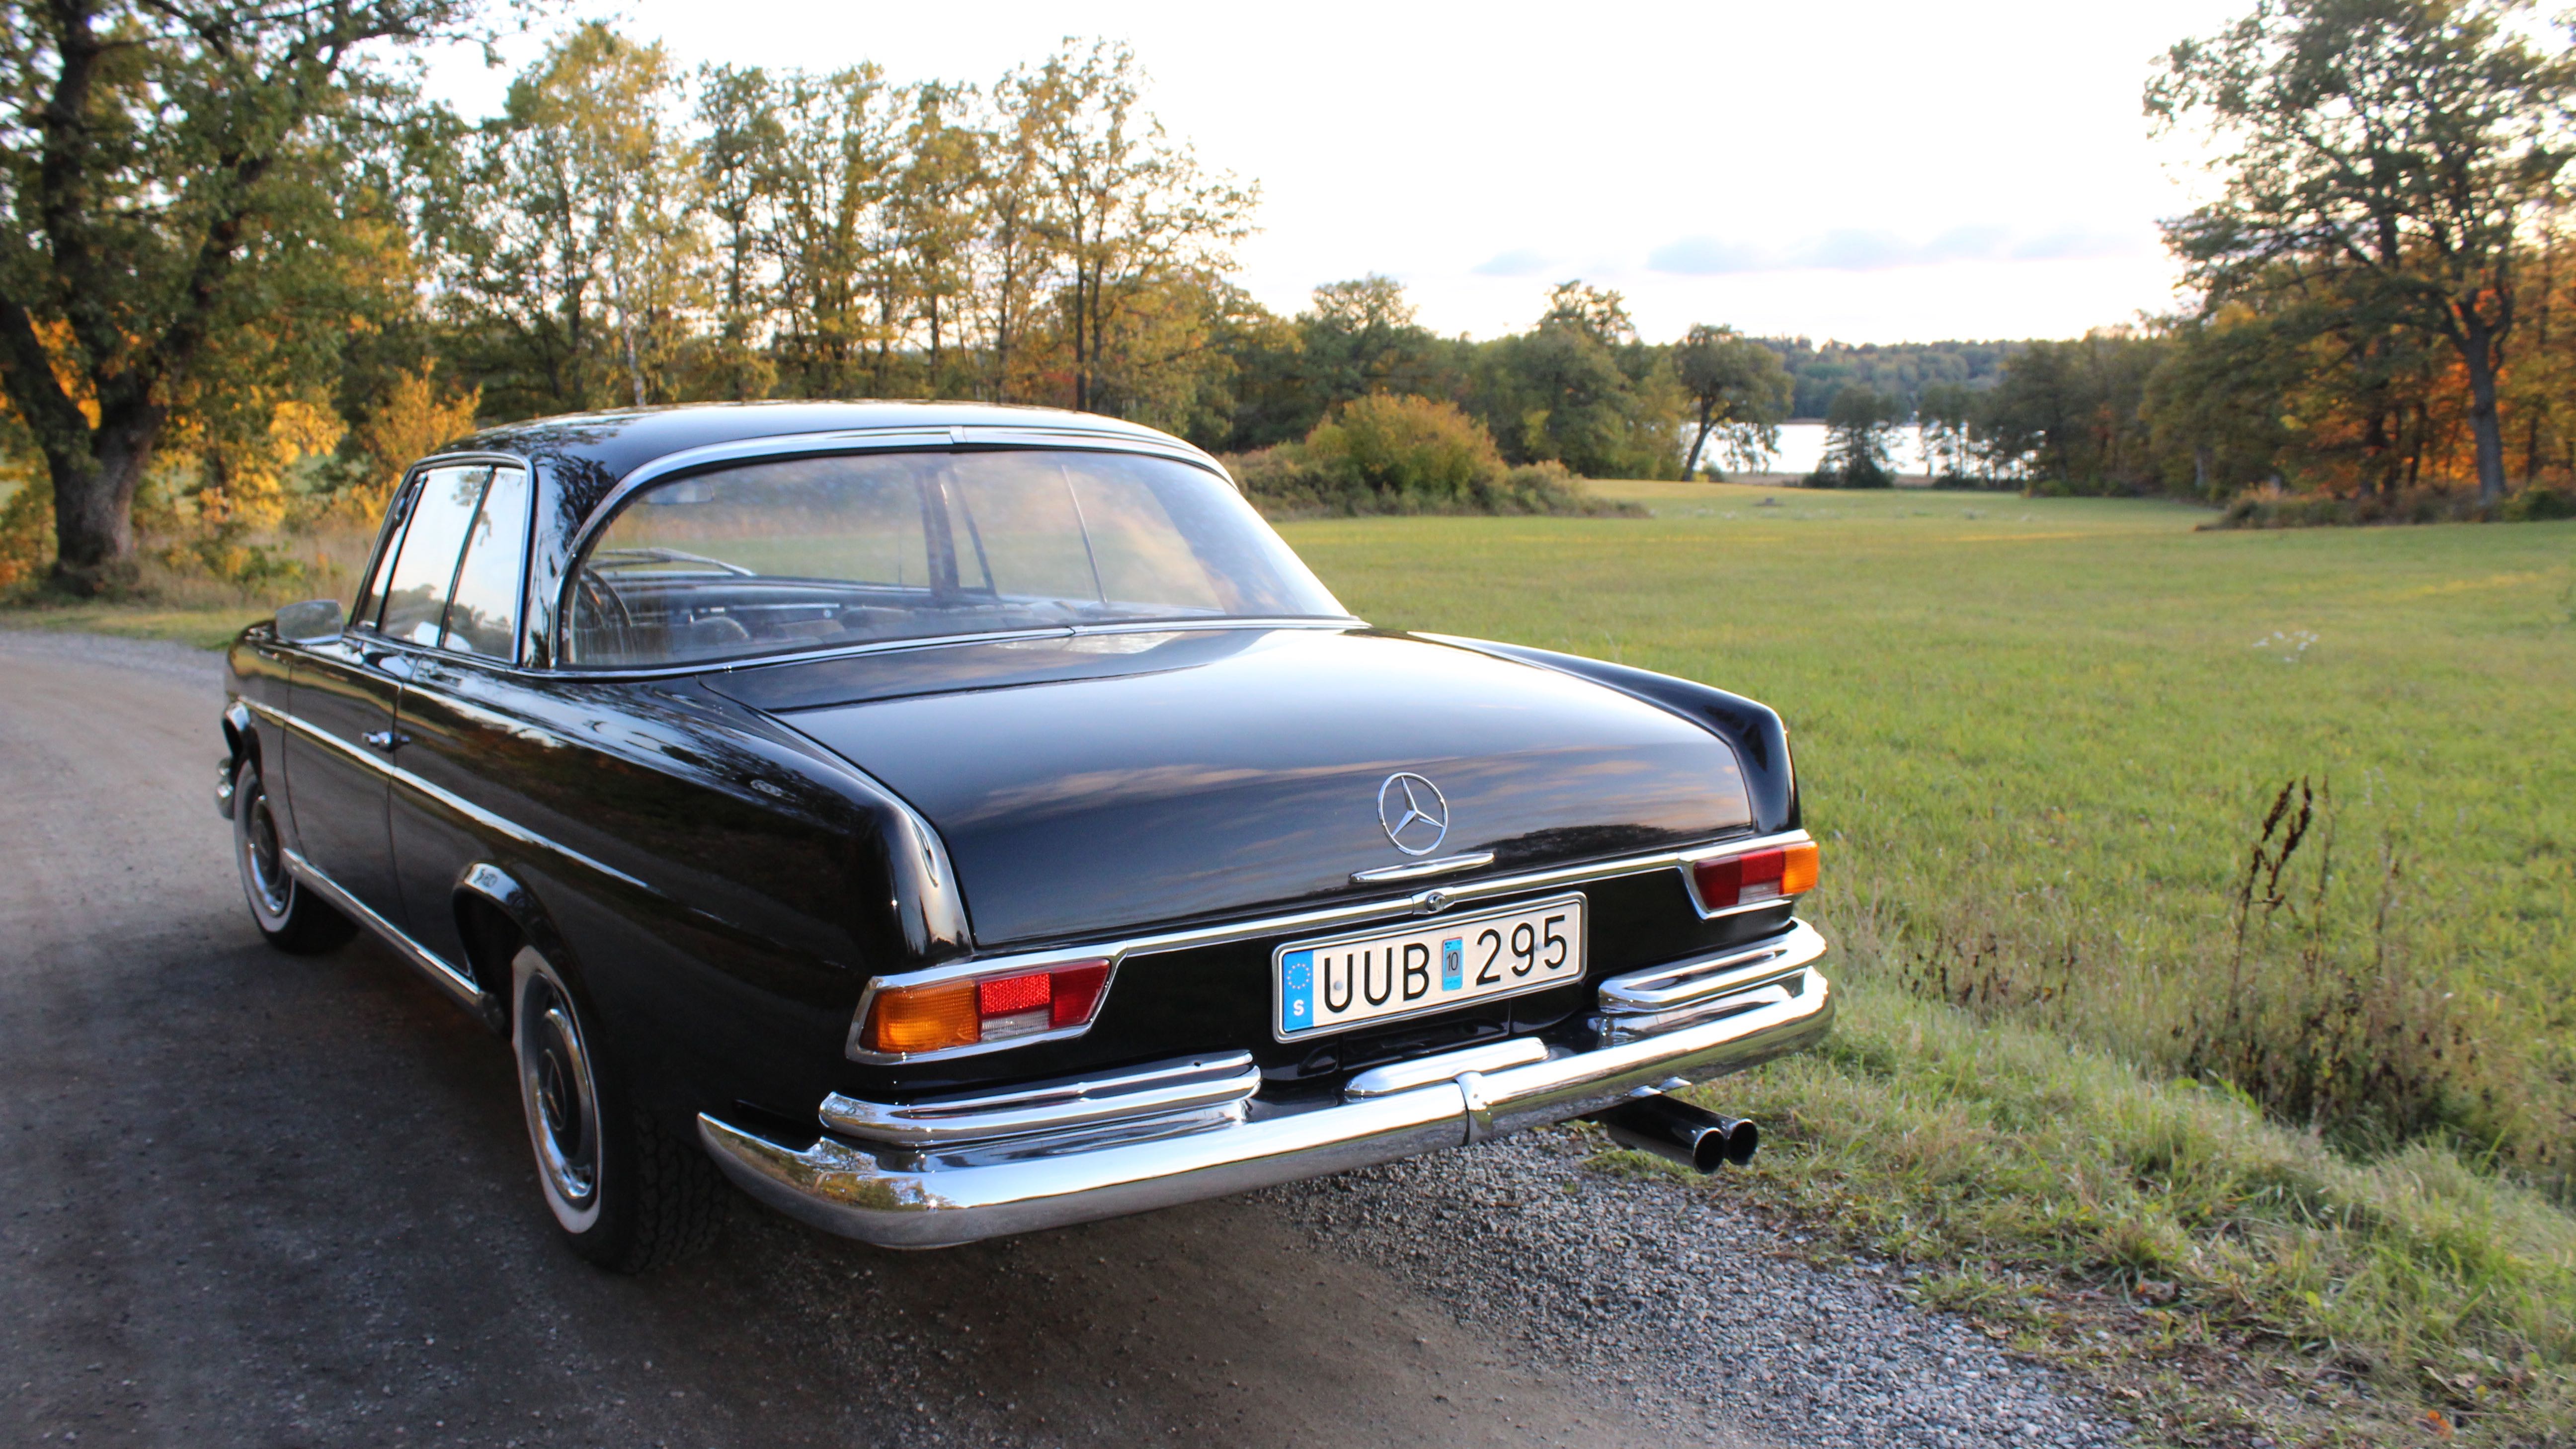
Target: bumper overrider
958	1169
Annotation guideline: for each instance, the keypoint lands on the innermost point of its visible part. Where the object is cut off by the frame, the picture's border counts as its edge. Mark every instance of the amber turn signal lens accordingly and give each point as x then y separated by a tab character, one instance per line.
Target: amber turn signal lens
924	1018
1798	871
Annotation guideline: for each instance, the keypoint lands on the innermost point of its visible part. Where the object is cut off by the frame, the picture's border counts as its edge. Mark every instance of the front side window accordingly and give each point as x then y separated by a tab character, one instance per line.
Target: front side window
442	512
814	552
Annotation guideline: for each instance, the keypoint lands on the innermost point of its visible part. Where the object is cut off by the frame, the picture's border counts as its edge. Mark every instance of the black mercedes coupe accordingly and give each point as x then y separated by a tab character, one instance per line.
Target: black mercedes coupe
948	821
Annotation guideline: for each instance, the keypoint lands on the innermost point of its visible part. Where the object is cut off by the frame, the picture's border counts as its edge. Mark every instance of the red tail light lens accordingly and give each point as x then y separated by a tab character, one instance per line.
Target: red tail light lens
1012	995
1077	992
911	1019
1756	876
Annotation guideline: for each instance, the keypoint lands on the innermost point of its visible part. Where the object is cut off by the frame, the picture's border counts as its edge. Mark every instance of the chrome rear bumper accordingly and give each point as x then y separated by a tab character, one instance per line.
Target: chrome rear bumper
909	1176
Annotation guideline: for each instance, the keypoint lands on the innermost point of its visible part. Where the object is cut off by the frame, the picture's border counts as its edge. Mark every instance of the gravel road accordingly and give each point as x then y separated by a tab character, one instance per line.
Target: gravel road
254	1199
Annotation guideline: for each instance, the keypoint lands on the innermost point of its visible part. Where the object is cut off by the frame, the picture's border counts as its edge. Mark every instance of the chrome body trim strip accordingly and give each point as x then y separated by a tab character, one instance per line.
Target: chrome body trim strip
902	1199
1443	866
1187	1084
1421	903
458	986
498	824
1493	1056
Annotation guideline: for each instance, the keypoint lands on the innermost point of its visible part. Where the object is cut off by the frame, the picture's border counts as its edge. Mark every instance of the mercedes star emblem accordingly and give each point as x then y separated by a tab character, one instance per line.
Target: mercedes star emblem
1413	813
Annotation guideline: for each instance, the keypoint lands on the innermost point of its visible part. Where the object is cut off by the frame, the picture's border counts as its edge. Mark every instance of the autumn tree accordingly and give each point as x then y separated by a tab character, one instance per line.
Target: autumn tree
1944	421
1581	389
1857	452
737	128
933	221
574	250
1739	393
161	163
2405	152
1126	211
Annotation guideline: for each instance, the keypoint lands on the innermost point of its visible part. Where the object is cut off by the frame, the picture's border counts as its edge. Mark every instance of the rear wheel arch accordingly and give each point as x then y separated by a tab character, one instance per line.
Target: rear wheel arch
497	915
241	737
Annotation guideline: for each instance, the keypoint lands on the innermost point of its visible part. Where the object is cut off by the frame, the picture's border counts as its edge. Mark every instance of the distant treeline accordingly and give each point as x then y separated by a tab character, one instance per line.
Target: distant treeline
1897	370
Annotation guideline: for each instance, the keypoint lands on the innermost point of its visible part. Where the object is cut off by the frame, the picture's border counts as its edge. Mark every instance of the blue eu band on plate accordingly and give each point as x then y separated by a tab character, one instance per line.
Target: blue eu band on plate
1382	975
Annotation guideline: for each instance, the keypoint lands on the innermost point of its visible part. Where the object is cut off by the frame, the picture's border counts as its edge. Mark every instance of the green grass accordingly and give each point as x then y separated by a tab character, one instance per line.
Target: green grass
2038	738
204	627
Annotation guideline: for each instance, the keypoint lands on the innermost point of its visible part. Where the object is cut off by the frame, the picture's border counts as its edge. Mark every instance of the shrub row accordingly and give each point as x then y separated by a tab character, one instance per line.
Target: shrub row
2533	504
1387	454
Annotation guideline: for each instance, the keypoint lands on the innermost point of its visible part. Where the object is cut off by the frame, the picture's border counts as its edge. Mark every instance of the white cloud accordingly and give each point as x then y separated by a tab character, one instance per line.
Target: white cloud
1855	250
1523	262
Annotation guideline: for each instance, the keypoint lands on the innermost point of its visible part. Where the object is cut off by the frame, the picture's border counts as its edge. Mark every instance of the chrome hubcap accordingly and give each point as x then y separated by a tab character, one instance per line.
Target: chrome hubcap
263	859
561	1096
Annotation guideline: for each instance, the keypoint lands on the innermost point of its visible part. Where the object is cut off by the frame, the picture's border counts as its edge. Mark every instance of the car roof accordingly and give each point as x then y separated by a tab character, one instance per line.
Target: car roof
601	448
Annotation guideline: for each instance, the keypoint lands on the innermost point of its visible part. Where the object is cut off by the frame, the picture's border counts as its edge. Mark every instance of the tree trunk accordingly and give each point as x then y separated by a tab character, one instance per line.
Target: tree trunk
1691	465
94	508
2378	453
2477	350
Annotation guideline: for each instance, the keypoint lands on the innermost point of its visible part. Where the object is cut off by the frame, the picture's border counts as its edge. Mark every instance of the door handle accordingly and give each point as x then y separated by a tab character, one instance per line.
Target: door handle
386	740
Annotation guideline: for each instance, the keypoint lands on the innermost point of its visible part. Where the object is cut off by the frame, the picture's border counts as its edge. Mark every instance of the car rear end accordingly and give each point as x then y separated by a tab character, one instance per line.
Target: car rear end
1608	983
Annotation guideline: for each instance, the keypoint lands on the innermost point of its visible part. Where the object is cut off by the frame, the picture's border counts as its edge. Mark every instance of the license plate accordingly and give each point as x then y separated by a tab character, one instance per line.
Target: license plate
1383	974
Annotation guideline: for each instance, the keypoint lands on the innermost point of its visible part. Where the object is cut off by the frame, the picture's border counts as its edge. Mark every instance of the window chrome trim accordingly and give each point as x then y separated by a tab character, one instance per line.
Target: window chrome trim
913	439
619	674
527	553
1422	903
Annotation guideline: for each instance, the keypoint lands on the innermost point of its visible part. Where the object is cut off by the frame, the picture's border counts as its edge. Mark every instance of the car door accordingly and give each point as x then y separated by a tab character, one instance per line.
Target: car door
456	717
344	695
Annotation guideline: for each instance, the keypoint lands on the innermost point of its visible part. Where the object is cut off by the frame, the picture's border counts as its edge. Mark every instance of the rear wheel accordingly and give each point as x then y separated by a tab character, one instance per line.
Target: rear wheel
291	917
627	1192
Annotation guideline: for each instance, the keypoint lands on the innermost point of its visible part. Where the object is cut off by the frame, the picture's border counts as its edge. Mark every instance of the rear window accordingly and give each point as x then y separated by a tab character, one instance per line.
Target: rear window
809	553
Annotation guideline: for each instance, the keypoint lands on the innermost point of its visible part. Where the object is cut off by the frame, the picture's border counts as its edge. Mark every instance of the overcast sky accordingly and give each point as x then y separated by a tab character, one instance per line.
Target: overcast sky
1864	171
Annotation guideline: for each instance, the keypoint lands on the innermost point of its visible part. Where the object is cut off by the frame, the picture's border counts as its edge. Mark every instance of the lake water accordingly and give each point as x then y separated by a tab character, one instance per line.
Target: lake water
1802	447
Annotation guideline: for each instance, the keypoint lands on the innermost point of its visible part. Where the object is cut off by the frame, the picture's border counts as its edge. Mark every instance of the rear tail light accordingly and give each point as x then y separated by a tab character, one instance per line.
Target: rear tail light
1756	876
911	1019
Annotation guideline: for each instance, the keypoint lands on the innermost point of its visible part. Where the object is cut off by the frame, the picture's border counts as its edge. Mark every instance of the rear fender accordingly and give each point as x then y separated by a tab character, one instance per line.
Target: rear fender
496	914
1761	741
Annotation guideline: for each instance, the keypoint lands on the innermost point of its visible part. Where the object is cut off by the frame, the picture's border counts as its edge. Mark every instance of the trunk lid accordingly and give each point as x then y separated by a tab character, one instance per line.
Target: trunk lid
1096	784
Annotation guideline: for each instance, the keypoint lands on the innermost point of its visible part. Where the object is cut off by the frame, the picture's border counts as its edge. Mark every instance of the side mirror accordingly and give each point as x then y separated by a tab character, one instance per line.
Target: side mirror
315	621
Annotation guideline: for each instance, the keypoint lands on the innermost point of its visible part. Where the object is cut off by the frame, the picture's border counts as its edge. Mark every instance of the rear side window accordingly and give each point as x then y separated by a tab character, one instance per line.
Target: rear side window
441	515
483	616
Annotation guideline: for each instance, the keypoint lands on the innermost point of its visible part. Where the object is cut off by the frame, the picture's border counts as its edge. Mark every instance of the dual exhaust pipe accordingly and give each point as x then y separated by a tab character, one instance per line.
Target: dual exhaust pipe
1677	1131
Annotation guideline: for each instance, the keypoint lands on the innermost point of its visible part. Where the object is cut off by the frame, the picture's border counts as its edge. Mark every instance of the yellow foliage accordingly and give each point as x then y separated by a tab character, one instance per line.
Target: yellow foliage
245	481
411	422
26	533
57	337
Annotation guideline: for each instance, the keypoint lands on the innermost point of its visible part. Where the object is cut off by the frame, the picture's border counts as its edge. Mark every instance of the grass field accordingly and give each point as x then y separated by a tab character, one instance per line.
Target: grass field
2297	1172
2039	738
